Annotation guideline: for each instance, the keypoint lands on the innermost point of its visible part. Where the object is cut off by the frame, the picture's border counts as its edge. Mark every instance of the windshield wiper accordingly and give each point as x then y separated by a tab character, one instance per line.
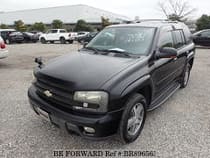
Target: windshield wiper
92	48
117	51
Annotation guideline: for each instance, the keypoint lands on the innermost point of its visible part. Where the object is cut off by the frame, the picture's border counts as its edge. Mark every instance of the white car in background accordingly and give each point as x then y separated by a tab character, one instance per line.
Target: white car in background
61	35
3	50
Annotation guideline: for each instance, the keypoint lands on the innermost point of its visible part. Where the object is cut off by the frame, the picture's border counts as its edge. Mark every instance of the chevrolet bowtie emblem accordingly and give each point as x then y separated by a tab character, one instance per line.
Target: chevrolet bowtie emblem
48	93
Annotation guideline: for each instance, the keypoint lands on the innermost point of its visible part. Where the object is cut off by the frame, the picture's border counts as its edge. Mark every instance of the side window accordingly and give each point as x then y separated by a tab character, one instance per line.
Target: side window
62	31
179	38
52	31
166	39
3	34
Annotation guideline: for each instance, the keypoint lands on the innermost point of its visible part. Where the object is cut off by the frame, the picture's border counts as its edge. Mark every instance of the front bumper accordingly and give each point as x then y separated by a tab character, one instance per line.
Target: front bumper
4	54
104	125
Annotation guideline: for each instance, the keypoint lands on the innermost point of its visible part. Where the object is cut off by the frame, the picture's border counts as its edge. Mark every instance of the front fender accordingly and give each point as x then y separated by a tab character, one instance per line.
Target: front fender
137	85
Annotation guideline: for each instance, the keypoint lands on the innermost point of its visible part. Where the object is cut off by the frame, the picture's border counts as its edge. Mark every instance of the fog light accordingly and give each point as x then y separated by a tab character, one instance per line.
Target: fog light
89	130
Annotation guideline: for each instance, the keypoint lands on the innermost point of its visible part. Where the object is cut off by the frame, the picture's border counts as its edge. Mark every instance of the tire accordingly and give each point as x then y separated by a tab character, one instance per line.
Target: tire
71	41
185	76
43	41
129	132
63	40
51	42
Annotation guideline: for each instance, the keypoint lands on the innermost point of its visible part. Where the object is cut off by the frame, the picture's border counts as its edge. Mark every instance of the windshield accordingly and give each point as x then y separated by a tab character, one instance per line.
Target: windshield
133	40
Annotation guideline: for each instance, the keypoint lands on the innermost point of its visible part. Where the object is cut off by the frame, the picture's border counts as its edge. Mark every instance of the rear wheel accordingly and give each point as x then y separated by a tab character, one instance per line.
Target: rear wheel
133	118
43	41
185	76
62	40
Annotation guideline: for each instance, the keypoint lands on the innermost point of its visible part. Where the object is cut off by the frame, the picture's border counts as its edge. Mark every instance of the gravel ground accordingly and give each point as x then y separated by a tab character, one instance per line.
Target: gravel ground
179	128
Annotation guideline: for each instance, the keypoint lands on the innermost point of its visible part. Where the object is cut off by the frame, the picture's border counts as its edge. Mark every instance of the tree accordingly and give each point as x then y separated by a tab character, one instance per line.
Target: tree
105	22
20	26
203	22
82	26
57	24
176	10
38	26
4	26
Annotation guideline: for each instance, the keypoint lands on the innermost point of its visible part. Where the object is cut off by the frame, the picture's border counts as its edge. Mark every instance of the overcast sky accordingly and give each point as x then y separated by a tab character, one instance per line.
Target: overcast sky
130	8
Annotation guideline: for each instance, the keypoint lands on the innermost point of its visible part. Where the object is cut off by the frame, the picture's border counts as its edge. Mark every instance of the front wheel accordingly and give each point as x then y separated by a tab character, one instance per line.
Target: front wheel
43	41
133	118
185	76
62	40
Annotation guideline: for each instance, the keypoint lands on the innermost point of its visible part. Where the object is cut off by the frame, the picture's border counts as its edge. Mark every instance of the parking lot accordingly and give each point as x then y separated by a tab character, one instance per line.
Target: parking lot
179	128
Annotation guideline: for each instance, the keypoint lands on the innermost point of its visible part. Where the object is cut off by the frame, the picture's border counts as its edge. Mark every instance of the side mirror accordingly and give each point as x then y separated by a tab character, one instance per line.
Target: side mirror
167	52
39	61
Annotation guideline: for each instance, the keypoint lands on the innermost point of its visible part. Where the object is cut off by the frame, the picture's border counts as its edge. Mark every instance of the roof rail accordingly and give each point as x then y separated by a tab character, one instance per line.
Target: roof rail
155	20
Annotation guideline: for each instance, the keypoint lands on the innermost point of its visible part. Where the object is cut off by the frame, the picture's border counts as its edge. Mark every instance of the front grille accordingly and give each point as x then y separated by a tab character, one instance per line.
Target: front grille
60	96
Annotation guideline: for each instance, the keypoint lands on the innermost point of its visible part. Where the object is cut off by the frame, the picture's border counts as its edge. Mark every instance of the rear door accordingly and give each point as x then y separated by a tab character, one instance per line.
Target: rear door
180	45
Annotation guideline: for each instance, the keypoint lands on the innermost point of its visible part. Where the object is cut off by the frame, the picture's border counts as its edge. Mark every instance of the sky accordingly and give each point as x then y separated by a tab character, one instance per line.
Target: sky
145	9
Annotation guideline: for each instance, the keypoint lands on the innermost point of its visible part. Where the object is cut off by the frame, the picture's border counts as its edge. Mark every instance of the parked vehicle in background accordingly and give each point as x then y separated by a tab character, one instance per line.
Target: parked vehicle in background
4	33
30	37
3	50
61	35
81	35
88	37
38	33
202	38
109	86
15	37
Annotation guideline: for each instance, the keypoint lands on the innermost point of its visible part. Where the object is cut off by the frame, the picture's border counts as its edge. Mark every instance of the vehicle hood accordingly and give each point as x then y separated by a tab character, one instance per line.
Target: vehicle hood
83	71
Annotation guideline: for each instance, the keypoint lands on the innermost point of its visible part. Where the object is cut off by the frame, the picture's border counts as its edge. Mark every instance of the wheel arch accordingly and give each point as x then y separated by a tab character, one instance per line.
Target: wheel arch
191	62
62	37
142	86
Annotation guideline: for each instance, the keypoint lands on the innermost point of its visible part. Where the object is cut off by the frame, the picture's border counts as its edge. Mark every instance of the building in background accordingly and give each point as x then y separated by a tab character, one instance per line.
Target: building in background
68	14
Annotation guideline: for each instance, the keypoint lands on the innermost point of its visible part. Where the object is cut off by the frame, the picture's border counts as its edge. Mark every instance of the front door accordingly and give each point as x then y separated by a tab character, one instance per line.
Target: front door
164	69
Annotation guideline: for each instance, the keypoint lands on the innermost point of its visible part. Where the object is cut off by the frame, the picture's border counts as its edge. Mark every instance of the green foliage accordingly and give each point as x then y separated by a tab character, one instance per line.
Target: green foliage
20	26
57	24
83	26
4	26
203	22
38	26
105	22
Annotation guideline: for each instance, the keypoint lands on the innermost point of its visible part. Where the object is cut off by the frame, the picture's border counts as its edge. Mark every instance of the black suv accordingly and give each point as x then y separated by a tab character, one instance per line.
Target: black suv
111	83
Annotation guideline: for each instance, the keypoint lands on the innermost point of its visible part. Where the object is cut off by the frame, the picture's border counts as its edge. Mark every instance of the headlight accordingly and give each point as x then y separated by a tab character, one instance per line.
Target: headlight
98	98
